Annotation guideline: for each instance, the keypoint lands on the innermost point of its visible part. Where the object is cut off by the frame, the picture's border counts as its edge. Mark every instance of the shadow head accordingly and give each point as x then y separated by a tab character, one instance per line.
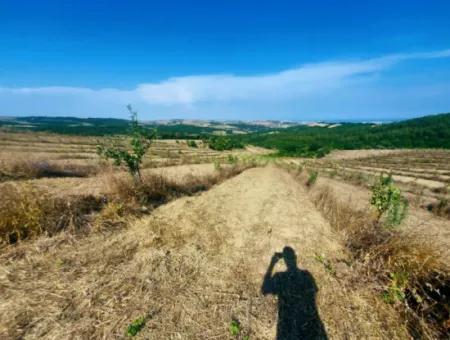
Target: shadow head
290	257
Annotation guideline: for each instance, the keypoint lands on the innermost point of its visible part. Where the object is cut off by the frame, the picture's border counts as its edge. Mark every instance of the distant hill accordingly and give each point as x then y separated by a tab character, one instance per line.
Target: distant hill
176	128
426	132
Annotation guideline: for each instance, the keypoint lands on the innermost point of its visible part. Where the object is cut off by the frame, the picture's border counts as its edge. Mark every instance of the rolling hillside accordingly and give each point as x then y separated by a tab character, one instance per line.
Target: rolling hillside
425	132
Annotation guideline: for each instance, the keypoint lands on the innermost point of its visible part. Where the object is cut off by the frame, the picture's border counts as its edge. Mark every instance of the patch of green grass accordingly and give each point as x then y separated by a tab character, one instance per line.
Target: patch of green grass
396	289
232	159
217	165
235	327
136	326
326	263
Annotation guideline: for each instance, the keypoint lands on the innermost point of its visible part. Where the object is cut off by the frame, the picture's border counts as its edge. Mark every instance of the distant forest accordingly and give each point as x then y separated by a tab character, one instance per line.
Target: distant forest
113	126
301	140
426	132
100	127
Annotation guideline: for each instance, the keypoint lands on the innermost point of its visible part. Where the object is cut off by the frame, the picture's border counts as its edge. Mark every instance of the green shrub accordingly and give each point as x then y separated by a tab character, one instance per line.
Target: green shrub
388	201
232	159
192	143
224	143
312	178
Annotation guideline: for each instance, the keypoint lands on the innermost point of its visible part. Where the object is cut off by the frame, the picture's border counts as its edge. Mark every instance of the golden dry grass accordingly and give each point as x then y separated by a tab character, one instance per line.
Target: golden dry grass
189	268
28	169
76	155
189	264
407	270
27	212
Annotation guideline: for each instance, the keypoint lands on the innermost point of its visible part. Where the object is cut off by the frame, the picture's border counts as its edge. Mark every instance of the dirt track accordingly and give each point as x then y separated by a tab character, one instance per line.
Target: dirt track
191	267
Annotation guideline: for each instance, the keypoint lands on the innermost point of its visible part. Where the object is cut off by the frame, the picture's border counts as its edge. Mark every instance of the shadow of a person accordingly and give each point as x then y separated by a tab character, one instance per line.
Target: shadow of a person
296	289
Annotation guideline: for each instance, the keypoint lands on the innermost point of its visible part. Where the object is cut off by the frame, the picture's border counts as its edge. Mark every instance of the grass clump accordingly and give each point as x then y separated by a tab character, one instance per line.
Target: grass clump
23	212
396	288
235	327
136	326
232	159
312	178
326	263
217	165
112	216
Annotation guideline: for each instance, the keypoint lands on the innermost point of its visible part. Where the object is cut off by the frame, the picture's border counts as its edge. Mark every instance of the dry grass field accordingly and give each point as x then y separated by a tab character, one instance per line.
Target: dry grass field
192	251
423	175
34	155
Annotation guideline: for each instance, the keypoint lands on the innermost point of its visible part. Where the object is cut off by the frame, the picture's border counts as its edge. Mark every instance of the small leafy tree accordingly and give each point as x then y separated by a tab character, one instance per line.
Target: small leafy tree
312	178
132	157
388	201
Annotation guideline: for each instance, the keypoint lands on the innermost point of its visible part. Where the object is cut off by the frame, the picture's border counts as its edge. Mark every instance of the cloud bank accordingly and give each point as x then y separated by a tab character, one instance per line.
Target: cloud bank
310	89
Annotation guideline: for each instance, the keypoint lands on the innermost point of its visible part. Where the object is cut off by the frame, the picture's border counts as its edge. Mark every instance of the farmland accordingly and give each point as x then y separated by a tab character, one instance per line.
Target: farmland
76	156
88	253
222	170
423	175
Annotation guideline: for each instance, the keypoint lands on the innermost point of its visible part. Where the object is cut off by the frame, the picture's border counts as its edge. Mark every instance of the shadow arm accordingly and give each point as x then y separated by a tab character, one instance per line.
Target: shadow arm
268	285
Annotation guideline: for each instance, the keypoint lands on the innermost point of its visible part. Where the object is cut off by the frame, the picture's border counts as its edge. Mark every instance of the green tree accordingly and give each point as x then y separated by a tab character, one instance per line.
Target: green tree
387	200
140	141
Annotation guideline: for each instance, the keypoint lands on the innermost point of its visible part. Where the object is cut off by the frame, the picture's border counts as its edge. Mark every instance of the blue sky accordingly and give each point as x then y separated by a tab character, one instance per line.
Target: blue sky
293	60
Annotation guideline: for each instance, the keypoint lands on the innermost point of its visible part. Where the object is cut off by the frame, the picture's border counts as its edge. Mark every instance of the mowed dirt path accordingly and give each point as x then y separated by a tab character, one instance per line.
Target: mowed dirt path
189	268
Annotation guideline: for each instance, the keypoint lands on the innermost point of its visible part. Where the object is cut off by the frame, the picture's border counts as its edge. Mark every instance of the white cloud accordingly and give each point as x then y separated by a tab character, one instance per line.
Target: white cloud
303	84
48	90
310	78
278	86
